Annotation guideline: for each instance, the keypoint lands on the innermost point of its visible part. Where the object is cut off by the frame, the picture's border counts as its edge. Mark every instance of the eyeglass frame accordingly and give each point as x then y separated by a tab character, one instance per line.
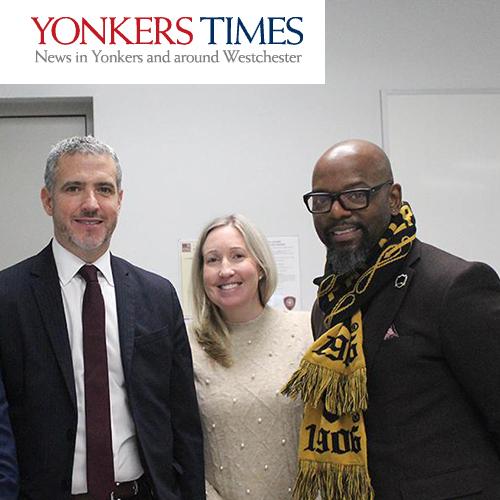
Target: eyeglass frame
336	197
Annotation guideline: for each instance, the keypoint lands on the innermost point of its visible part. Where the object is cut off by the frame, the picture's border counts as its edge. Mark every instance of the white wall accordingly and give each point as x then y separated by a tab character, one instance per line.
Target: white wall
194	152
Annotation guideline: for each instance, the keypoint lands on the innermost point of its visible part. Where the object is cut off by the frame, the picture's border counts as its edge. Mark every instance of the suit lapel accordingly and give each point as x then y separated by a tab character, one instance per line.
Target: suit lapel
47	290
384	307
125	306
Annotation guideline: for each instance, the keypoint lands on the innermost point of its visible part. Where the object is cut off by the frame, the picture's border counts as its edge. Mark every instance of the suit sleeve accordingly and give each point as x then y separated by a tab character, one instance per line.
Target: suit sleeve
470	331
9	479
188	438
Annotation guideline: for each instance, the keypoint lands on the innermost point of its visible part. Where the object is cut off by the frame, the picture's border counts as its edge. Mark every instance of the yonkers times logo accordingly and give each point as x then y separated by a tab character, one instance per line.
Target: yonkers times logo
99	33
166	31
195	42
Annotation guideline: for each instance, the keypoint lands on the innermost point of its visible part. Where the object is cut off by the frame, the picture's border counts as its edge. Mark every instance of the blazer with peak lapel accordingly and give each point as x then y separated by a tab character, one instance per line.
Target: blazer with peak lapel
433	418
35	359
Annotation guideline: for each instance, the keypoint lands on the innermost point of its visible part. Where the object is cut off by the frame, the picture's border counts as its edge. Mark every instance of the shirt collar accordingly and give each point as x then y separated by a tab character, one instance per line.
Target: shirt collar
68	264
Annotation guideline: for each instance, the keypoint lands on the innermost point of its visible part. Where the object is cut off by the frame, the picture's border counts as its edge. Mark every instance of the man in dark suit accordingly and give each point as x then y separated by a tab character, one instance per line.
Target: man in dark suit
9	476
94	353
428	325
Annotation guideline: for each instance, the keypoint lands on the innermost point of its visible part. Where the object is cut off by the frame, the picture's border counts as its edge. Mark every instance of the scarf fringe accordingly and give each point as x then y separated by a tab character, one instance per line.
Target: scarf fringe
342	393
333	481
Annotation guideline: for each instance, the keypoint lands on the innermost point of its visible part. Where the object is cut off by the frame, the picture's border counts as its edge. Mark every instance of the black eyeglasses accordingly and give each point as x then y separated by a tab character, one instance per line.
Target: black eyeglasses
351	199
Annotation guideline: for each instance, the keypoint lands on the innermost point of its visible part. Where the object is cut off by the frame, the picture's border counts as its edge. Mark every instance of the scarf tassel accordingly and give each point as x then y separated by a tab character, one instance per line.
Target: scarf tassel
334	481
342	393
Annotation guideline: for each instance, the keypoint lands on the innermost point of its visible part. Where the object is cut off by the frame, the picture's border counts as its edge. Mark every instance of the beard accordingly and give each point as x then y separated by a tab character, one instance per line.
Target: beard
342	262
83	240
345	261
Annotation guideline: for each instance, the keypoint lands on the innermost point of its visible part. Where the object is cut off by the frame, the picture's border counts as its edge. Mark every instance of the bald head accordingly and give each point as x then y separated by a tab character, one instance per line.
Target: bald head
350	233
356	152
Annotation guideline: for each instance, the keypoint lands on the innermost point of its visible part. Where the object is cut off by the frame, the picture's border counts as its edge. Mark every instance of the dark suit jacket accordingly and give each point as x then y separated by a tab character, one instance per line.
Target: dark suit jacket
9	477
433	418
36	364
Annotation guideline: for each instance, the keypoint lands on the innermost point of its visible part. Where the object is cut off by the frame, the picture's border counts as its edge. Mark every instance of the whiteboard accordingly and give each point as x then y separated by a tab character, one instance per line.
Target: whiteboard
445	151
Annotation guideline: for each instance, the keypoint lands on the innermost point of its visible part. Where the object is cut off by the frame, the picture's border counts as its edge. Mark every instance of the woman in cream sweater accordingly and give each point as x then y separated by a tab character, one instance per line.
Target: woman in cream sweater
243	353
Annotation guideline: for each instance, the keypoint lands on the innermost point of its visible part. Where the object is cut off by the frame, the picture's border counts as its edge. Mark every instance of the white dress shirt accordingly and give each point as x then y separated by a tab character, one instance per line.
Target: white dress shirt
125	453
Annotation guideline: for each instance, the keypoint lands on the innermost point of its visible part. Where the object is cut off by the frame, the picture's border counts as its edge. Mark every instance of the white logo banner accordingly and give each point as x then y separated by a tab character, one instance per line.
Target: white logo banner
178	42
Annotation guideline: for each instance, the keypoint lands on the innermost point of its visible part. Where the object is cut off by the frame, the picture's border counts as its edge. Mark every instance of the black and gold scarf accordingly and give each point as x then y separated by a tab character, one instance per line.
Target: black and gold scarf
331	378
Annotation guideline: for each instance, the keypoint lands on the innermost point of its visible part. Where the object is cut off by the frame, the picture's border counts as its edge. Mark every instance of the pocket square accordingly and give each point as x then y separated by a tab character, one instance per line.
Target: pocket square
391	333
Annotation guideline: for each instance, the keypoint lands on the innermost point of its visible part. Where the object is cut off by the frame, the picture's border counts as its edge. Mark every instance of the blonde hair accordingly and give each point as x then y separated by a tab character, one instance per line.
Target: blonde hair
208	324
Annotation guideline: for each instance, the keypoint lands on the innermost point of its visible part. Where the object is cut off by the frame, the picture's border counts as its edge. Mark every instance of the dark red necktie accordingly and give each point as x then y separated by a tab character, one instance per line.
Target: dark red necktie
100	472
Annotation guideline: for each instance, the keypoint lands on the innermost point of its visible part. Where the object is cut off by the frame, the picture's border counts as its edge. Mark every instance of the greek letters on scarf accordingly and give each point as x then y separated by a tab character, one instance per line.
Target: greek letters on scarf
331	378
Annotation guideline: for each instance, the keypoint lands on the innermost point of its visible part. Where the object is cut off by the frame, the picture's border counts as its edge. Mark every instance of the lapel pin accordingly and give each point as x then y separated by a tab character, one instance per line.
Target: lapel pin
401	281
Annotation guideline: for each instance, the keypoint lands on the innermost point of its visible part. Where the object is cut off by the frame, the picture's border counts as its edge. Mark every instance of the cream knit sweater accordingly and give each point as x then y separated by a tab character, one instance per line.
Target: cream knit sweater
250	429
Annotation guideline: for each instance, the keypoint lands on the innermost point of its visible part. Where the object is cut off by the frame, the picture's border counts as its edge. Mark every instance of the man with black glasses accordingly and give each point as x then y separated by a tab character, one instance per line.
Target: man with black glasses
402	382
